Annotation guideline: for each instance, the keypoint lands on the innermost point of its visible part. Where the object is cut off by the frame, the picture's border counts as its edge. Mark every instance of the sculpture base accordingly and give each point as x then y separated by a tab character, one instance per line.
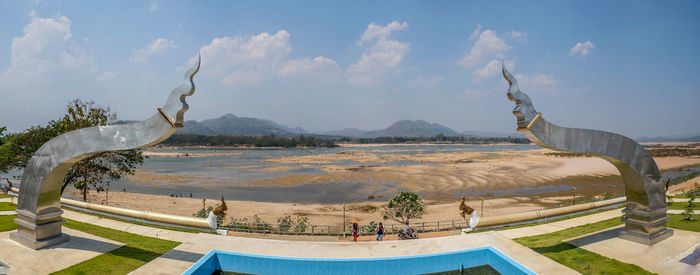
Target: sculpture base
39	244
38	231
644	239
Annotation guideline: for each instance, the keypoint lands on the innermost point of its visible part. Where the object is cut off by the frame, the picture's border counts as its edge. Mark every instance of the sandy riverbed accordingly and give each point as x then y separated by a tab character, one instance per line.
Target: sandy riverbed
438	175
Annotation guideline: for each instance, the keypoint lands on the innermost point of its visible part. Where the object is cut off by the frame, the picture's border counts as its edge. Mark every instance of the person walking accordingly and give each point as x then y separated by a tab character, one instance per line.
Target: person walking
354	231
380	232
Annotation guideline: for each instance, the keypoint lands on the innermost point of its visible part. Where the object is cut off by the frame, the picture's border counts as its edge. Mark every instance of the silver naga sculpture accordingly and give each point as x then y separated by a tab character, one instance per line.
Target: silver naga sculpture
645	214
39	209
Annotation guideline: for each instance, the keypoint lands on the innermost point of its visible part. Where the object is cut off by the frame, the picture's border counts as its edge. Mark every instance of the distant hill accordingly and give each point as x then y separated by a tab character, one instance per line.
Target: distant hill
413	128
230	124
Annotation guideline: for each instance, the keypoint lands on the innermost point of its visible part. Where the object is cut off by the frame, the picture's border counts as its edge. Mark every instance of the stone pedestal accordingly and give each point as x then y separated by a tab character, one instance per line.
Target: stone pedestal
39	231
645	227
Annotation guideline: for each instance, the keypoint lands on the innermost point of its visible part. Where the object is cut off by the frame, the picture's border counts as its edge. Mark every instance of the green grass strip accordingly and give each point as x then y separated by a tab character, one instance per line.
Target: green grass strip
4	196
7	206
683	205
6	223
678	221
581	260
137	251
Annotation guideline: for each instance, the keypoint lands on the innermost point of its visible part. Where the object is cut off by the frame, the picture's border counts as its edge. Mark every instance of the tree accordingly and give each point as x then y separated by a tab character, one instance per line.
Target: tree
404	207
18	148
96	171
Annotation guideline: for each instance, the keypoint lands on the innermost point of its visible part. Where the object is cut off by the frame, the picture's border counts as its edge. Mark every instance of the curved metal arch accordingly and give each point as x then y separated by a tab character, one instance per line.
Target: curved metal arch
39	210
645	214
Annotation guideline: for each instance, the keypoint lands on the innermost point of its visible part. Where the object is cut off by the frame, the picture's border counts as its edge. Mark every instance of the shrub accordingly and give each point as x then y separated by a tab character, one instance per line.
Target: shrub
285	224
302	223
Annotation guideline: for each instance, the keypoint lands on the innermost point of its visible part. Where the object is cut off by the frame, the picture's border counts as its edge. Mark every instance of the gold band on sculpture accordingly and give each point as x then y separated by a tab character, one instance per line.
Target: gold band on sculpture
168	118
531	123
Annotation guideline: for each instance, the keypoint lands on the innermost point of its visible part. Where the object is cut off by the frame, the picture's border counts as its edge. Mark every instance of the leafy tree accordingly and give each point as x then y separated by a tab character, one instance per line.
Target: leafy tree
404	207
18	148
96	171
2	136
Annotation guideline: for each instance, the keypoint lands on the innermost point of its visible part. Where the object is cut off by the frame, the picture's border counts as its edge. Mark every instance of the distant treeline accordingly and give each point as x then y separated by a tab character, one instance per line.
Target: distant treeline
437	139
253	141
310	141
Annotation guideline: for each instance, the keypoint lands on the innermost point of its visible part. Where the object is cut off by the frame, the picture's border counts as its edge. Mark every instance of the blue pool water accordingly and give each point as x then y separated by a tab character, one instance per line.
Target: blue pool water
417	264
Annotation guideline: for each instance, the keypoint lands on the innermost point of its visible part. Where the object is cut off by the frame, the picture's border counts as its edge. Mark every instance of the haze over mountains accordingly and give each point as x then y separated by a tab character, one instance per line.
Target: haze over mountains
230	124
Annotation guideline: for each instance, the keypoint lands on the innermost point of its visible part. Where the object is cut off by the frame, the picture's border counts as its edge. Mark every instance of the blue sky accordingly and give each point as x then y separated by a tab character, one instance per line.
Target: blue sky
624	66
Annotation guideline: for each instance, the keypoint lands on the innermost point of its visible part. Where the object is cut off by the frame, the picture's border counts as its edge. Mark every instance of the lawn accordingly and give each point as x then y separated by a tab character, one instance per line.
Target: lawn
7	206
678	221
683	205
6	223
581	260
4	196
137	251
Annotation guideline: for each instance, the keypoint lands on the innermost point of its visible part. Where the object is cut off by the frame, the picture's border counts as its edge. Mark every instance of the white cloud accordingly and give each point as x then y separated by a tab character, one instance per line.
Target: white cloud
153	7
583	49
476	32
47	63
314	68
487	47
518	36
539	83
473	94
490	69
381	57
157	47
258	53
376	32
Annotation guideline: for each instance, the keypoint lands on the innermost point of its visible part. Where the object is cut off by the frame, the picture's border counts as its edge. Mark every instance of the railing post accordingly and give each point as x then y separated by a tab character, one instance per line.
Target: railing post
249	227
329	230
392	228
438	226
312	229
423	226
453	224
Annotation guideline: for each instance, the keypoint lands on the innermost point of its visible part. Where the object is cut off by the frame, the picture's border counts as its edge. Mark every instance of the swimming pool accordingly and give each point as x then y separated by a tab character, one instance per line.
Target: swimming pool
416	264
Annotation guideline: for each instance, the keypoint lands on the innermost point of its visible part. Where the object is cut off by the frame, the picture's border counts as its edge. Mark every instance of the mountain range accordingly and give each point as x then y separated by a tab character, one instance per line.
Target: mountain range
230	124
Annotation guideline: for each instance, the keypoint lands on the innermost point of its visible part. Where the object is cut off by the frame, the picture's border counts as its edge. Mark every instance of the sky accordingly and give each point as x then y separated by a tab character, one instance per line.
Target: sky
629	67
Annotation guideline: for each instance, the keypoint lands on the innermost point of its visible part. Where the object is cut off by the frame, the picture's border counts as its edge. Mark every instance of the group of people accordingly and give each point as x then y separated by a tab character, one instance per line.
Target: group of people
379	231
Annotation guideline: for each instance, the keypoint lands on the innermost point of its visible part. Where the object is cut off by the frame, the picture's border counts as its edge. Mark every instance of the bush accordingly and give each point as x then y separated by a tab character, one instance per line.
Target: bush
368	229
285	224
260	225
302	223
